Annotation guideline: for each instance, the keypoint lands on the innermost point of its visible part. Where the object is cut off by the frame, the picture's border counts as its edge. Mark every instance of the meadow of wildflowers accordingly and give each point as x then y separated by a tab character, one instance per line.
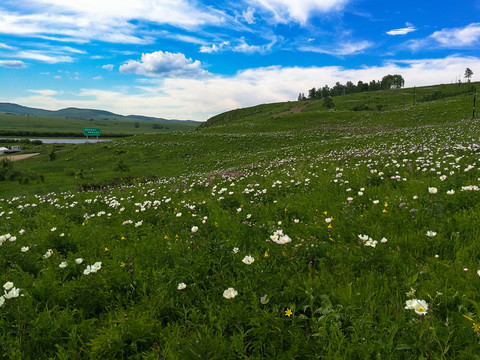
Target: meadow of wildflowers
307	239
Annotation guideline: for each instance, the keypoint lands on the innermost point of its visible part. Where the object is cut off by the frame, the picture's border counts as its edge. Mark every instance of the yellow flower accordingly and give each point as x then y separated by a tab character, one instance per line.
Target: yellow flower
288	312
123	238
266	255
330	226
385	210
476	327
106	248
325	213
122	264
386	204
165	237
331	239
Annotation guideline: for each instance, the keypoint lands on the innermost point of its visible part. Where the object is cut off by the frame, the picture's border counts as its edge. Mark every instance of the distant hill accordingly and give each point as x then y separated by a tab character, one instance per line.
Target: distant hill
76	113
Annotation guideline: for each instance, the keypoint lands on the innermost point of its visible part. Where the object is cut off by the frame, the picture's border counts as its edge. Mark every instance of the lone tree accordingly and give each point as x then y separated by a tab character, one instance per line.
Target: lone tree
468	74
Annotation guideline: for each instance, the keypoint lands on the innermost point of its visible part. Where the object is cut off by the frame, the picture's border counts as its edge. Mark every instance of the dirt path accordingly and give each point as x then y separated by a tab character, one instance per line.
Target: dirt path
293	110
19	157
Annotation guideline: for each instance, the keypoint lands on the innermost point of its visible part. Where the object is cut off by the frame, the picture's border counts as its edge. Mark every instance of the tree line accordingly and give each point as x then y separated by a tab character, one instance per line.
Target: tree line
387	82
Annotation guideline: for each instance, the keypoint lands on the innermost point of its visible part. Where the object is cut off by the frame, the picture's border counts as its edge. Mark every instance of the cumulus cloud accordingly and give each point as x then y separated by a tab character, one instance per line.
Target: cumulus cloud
299	10
200	98
163	64
12	64
108	67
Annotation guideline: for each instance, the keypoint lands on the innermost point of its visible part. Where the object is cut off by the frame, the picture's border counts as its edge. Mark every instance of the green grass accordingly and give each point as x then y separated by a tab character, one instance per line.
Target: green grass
38	126
322	177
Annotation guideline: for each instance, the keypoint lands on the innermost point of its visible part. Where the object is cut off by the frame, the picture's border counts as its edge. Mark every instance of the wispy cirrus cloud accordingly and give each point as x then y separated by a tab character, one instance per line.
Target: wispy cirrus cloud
300	11
163	64
241	46
44	57
341	49
467	36
5	46
402	31
46	92
214	48
106	20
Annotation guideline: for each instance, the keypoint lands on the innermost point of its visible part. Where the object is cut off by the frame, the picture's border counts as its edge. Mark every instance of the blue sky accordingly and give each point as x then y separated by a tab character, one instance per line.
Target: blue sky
187	59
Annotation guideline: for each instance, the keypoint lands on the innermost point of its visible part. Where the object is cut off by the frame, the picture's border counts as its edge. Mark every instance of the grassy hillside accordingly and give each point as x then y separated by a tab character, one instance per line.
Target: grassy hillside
281	231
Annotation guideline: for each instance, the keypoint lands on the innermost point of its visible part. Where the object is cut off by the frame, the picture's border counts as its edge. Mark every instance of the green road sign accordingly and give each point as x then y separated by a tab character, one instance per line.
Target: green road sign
91	131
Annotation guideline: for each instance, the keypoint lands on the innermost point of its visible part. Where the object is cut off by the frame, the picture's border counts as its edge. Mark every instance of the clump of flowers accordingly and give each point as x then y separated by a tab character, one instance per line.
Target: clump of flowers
91	269
419	306
368	241
280	238
10	292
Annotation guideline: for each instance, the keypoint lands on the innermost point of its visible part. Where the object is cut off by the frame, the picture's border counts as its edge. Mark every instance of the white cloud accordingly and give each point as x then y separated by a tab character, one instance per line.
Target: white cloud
106	20
402	31
40	56
249	15
341	49
241	47
5	46
214	48
163	64
45	92
99	77
200	98
12	64
299	10
108	67
458	37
